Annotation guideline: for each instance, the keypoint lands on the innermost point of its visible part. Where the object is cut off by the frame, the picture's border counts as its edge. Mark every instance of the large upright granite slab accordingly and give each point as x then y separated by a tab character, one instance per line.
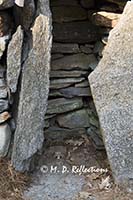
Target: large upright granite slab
112	90
14	59
34	91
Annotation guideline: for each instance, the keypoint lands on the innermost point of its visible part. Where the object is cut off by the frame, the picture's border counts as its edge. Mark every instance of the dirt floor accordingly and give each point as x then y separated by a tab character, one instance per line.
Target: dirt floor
73	170
70	170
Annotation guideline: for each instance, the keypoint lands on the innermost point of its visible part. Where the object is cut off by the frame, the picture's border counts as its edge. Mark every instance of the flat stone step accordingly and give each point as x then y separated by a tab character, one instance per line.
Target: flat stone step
62	105
74	62
75	32
67	74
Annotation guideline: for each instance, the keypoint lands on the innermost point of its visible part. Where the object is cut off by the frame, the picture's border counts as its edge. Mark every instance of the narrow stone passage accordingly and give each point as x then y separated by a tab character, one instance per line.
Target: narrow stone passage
49	125
71	116
61	171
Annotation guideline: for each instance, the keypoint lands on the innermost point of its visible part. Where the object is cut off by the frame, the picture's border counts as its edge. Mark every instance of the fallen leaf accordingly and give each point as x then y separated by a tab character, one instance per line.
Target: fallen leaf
105	183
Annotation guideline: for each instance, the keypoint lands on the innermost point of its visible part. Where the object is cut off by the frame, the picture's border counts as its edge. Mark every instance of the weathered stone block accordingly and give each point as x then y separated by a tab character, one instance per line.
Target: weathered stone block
2	82
75	32
3	93
120	3
76	119
66	80
68	14
105	19
14	59
73	92
65	48
3	105
64	105
67	74
83	84
5	137
5	23
74	62
86	49
111	85
95	136
3	42
61	134
4	116
57	56
34	92
2	71
5	30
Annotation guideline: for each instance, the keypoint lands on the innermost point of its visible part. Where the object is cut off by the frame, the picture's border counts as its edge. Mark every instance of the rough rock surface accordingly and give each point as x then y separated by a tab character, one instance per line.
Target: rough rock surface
72	92
111	85
2	71
74	62
5	136
80	32
4	116
3	93
60	134
64	105
119	2
77	119
68	14
5	30
67	80
67	74
5	23
14	59
2	82
25	16
4	4
3	105
106	19
34	92
65	48
3	41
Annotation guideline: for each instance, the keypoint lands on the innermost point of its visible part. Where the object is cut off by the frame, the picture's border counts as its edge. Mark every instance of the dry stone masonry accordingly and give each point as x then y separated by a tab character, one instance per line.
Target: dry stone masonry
80	30
37	103
24	78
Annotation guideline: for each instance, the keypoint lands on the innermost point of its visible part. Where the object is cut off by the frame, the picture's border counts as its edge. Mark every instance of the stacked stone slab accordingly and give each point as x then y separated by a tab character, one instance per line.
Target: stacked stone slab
24	75
80	35
5	33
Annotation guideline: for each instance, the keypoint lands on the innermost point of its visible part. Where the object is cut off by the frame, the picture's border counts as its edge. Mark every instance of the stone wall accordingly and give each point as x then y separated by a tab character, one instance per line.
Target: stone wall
80	30
24	78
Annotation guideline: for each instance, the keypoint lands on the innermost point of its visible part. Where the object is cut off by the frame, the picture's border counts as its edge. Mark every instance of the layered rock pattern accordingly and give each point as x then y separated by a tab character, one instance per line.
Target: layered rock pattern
80	31
80	35
6	25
